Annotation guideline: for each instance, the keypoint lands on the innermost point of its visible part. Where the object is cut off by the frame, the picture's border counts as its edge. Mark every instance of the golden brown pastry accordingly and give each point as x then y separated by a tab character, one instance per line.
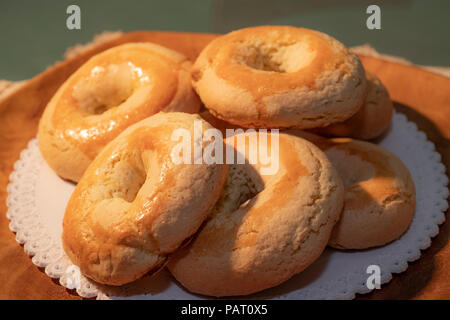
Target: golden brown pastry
111	91
279	77
265	228
135	205
380	196
371	120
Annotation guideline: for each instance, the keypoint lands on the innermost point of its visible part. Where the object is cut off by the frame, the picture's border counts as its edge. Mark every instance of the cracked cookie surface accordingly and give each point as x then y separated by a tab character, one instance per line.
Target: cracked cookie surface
134	205
371	120
111	91
279	77
380	195
265	228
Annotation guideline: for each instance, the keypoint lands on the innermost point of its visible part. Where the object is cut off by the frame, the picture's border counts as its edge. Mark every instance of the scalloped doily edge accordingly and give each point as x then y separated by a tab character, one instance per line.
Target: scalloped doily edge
37	248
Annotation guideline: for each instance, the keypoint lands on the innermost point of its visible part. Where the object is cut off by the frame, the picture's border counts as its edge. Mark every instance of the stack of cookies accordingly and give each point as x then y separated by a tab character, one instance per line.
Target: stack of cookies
224	228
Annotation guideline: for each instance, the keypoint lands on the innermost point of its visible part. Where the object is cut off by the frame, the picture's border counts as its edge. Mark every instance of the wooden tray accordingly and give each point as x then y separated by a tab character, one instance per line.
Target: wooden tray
423	96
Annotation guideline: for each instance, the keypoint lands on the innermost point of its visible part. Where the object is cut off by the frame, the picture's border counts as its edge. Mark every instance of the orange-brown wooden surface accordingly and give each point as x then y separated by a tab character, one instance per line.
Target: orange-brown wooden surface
423	96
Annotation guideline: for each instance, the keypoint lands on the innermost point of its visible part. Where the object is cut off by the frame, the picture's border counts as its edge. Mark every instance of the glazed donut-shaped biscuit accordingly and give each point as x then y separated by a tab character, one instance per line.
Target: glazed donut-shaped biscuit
264	228
279	77
371	120
111	91
380	195
134	205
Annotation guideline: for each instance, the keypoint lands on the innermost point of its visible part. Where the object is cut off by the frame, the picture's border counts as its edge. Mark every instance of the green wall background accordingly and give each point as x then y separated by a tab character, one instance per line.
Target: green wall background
33	34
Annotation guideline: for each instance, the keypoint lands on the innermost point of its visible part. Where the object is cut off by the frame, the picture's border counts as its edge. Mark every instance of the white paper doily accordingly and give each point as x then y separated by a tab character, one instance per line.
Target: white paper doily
37	198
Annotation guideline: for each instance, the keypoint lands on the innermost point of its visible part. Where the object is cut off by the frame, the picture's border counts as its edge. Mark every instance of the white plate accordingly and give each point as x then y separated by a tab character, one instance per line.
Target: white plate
37	198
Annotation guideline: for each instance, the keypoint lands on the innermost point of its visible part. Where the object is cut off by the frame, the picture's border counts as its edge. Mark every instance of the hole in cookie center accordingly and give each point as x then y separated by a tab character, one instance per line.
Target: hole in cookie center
276	57
238	190
126	174
105	88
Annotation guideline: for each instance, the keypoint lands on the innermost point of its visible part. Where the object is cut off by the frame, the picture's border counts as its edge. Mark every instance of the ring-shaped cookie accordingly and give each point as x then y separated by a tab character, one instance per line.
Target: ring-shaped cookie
111	91
371	120
380	196
265	228
134	205
279	77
